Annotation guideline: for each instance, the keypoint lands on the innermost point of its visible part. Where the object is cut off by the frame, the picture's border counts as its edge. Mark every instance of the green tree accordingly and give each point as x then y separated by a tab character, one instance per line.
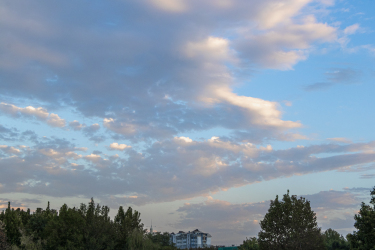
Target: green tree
137	240
3	237
38	221
249	244
127	225
162	239
290	224
65	231
364	237
13	224
333	240
99	231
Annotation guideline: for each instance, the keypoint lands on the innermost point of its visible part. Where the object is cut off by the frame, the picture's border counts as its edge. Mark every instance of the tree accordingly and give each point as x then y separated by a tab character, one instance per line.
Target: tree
333	240
3	237
290	224
65	231
161	239
13	224
364	238
128	224
249	244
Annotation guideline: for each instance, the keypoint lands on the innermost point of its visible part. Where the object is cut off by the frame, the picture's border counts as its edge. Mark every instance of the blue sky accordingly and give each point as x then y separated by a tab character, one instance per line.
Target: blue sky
196	113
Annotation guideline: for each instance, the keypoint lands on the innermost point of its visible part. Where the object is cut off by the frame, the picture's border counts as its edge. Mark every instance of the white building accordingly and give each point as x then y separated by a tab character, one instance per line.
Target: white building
194	239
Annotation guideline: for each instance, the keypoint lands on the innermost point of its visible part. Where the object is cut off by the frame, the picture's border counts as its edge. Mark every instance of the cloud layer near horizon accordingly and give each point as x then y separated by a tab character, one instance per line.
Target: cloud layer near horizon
167	170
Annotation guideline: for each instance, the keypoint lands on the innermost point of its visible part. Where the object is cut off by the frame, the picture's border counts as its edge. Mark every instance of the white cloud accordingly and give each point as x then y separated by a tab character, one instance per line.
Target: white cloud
184	139
285	45
116	146
170	5
55	121
340	139
258	111
210	49
273	13
352	29
39	113
9	149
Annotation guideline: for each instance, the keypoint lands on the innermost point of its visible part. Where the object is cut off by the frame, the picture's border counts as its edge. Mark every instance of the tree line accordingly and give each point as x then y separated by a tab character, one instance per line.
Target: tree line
86	227
291	224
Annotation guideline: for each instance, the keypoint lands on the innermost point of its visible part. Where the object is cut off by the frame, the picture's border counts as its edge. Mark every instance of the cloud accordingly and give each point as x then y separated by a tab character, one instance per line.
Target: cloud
170	5
164	170
75	125
367	176
9	150
8	134
340	139
39	113
90	132
352	29
285	45
337	76
116	146
201	60
13	204
55	121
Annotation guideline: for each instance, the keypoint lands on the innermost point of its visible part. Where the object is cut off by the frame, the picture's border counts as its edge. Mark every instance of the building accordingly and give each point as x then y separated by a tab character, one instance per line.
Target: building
193	239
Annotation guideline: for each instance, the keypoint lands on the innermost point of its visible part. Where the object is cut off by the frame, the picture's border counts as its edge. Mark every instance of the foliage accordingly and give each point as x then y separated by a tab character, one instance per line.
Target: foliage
162	239
364	237
333	240
87	227
290	224
13	223
249	244
3	237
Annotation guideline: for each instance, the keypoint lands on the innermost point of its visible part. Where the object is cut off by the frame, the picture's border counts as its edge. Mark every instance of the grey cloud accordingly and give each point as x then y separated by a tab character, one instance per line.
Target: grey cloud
344	76
13	203
30	201
8	134
30	136
336	200
90	132
337	76
368	176
361	190
343	226
114	71
98	138
319	86
76	125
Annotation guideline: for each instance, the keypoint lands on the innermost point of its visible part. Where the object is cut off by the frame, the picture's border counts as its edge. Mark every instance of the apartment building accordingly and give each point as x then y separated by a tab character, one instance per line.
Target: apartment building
193	239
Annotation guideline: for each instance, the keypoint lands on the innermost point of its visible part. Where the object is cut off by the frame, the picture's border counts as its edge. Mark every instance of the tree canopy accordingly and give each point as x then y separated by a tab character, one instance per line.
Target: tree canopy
333	240
290	224
86	227
364	237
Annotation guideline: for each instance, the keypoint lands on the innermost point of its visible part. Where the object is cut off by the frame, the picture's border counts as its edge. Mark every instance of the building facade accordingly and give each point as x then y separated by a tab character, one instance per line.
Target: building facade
193	239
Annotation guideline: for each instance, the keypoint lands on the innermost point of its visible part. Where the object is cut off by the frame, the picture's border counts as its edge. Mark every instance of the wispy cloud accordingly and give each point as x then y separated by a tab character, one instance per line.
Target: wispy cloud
337	76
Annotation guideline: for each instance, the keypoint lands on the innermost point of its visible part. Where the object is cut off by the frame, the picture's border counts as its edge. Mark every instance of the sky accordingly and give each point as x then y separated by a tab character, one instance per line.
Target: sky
196	113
